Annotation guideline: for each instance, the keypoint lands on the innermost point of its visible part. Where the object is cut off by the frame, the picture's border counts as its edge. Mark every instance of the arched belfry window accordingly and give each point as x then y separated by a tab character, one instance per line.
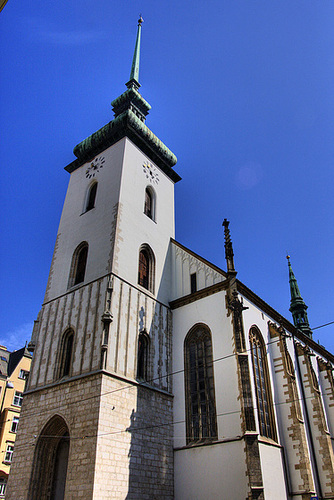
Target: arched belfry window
143	356
262	384
49	470
146	268
199	383
91	196
150	203
66	354
78	266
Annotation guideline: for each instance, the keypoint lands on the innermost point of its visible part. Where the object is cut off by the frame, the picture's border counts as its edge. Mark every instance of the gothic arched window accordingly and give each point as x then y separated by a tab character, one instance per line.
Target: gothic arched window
78	266
66	354
143	356
199	382
146	268
50	461
150	201
90	203
262	384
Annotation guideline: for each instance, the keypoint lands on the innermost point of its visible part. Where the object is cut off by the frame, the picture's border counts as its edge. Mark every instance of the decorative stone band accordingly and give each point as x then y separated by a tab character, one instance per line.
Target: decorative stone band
126	125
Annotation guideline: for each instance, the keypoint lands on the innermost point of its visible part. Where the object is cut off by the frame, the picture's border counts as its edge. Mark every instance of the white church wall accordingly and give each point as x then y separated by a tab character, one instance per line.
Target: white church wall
186	263
95	226
211	311
272	472
213	471
135	227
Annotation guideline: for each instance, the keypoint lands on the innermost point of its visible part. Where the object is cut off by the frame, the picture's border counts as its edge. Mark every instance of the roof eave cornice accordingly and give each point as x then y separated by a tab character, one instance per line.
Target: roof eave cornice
126	125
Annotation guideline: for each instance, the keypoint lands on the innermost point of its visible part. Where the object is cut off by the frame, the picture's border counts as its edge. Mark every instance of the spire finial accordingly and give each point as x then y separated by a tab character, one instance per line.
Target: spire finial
297	305
228	249
134	74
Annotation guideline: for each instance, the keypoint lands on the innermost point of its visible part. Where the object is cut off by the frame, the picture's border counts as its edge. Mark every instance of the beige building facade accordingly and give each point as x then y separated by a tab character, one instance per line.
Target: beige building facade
14	373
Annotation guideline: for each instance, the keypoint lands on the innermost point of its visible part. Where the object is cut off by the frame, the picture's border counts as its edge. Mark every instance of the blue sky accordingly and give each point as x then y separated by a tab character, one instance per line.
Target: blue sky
241	92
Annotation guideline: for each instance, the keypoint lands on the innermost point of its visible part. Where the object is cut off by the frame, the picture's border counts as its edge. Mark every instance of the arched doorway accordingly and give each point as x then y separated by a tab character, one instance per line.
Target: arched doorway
48	479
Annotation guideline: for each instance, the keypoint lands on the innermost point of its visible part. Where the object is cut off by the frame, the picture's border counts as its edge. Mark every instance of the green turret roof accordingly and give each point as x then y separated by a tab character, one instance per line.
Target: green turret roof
298	307
130	110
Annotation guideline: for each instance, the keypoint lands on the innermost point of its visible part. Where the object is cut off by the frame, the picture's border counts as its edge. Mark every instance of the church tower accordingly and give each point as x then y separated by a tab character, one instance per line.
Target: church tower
102	341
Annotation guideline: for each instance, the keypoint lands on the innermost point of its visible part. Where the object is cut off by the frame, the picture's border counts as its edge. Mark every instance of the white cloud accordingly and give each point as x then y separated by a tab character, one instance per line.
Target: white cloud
16	338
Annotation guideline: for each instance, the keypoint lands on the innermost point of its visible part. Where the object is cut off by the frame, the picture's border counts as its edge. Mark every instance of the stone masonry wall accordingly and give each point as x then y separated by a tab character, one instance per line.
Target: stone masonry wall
120	439
134	446
77	402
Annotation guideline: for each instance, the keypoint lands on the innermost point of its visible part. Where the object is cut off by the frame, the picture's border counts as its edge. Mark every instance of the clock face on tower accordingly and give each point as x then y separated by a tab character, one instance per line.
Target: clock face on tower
95	166
151	173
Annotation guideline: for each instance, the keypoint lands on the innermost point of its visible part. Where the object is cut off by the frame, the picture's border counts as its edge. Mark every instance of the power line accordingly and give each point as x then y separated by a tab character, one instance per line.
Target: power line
149	427
321	326
143	384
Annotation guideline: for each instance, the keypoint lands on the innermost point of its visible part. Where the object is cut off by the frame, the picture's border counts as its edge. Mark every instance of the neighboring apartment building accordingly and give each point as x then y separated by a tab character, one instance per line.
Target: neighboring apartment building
14	371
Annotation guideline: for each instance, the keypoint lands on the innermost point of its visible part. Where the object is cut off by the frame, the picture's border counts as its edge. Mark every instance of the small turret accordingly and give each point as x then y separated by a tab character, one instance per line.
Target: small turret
298	307
229	250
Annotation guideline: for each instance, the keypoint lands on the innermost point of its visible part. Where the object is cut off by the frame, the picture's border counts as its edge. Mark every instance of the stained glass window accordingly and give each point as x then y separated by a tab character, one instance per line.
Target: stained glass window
199	377
262	387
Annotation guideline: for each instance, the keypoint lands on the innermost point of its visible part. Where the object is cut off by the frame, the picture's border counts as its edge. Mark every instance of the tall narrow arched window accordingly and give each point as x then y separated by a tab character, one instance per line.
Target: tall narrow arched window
66	354
262	384
199	381
146	268
51	455
78	266
91	195
150	203
142	356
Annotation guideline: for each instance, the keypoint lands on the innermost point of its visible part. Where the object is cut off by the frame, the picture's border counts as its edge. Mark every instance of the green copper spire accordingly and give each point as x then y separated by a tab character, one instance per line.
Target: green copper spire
134	75
297	305
130	111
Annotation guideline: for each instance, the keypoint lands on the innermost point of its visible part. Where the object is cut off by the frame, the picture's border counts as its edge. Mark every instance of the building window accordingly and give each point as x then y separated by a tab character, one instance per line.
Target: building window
90	203
150	203
262	384
193	283
23	374
146	268
18	397
15	423
66	354
9	453
199	382
3	484
78	266
143	356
